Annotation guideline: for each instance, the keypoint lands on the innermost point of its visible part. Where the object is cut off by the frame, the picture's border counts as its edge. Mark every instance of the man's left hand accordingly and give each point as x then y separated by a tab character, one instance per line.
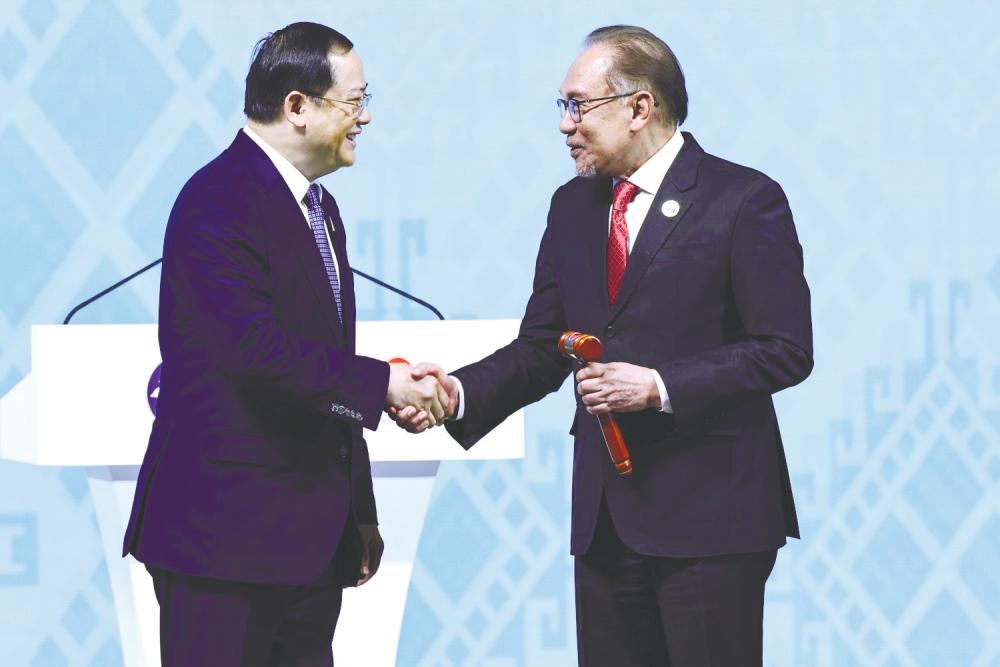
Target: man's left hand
372	547
617	387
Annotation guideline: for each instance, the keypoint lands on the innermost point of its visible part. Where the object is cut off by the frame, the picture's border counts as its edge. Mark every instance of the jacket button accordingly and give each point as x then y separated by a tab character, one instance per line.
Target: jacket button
343	452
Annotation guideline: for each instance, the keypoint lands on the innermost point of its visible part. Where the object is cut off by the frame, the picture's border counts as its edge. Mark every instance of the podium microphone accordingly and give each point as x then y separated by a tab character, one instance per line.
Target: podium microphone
81	306
141	271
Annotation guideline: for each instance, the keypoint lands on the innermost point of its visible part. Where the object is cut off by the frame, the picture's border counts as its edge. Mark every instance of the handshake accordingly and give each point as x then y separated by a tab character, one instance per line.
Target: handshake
421	396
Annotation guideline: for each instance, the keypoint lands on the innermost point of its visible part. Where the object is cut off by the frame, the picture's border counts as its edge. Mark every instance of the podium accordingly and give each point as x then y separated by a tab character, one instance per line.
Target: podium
88	401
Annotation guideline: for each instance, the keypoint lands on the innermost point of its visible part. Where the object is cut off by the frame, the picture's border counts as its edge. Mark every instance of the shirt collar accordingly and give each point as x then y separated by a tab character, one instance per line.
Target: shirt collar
652	172
294	179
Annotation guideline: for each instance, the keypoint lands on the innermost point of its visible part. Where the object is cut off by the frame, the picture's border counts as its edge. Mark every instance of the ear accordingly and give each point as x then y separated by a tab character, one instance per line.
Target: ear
643	106
294	108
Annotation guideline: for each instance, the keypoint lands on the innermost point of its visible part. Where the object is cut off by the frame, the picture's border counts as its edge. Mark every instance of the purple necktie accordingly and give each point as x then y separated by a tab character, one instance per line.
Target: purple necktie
317	221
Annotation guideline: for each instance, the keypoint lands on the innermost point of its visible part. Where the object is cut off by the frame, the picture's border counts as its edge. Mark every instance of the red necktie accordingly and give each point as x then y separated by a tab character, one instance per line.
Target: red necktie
618	239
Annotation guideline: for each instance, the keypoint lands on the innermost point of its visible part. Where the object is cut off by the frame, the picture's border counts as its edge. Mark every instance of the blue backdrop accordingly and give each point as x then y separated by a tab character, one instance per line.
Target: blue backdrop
875	117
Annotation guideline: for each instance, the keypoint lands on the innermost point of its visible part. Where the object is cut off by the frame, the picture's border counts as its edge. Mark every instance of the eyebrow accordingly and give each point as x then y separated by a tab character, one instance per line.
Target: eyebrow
360	89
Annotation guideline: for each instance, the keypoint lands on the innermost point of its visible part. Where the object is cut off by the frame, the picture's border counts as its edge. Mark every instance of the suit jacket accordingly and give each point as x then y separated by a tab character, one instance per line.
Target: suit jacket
256	456
715	300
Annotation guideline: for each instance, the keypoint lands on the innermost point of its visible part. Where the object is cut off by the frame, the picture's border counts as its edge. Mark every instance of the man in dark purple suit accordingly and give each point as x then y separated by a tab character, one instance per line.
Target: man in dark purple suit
254	504
689	269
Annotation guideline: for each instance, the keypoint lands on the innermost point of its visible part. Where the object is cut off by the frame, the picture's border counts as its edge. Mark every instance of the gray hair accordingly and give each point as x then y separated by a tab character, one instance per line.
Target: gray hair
643	61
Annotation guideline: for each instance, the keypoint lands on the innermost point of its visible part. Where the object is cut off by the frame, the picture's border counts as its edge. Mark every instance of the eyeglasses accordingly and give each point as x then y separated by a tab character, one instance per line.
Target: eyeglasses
576	107
359	105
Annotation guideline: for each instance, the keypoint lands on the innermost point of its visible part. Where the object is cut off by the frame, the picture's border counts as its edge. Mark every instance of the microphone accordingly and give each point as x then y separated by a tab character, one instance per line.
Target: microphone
398	291
586	348
138	273
81	306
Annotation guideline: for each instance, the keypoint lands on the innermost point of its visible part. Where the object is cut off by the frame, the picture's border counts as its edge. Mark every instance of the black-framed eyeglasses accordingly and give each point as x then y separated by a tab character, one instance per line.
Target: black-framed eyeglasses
576	107
359	105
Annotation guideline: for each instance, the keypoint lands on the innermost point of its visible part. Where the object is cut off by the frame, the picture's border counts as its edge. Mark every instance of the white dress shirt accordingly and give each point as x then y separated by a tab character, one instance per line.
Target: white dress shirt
648	177
297	183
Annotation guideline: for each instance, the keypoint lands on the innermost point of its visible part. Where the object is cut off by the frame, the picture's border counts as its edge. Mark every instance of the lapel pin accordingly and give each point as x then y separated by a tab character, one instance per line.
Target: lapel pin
670	208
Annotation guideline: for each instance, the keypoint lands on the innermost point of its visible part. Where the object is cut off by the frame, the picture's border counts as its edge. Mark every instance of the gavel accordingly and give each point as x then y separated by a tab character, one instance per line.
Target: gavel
586	348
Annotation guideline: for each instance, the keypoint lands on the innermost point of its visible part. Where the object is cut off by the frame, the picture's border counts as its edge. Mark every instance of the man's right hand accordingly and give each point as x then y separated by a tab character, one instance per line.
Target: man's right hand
415	420
420	392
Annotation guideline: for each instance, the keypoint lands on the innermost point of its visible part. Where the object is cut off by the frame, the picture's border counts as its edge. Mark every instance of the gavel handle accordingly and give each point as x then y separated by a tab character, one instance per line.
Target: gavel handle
616	444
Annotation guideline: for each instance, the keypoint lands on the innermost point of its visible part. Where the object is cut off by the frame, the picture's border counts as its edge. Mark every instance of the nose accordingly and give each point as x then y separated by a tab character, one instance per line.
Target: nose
365	117
566	124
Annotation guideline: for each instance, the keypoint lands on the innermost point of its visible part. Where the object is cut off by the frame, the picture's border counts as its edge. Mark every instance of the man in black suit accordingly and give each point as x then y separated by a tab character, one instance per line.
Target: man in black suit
689	269
254	504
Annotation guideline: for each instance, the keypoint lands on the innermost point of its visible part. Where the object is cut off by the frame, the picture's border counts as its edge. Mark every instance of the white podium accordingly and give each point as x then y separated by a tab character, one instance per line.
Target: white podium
85	403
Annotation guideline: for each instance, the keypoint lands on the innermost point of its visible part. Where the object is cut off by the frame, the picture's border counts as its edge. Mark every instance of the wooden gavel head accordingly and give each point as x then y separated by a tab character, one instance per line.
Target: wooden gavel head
586	348
580	346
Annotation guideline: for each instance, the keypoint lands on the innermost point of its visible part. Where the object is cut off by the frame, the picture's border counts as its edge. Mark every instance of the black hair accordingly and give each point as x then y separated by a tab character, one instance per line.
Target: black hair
293	58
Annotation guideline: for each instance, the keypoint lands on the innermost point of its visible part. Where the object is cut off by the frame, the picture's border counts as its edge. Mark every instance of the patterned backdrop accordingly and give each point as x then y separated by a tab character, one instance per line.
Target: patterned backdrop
875	117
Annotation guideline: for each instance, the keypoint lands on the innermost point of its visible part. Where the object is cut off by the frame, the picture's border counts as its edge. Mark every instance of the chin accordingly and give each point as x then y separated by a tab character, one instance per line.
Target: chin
347	159
586	170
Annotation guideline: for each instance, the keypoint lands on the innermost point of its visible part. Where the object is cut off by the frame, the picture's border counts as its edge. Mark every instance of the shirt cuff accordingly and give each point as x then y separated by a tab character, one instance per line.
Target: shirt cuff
665	402
461	401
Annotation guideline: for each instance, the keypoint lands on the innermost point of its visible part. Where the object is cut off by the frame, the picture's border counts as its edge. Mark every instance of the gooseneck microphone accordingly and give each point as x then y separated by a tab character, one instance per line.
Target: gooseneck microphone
405	295
141	271
81	306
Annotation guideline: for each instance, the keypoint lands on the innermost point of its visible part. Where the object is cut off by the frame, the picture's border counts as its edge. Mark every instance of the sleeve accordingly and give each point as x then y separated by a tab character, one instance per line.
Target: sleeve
661	388
216	265
526	369
461	401
772	300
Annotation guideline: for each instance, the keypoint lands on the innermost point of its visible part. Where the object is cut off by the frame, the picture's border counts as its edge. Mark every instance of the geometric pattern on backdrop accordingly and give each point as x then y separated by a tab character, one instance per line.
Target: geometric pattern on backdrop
900	568
493	580
93	157
899	499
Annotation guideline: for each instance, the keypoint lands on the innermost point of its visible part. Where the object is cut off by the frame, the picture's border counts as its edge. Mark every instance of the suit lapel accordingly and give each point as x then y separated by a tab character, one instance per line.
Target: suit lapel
311	263
344	273
658	225
276	199
594	223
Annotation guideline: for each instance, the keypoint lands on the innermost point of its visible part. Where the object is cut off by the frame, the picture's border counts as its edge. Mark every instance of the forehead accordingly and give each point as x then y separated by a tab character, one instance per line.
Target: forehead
587	76
349	72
